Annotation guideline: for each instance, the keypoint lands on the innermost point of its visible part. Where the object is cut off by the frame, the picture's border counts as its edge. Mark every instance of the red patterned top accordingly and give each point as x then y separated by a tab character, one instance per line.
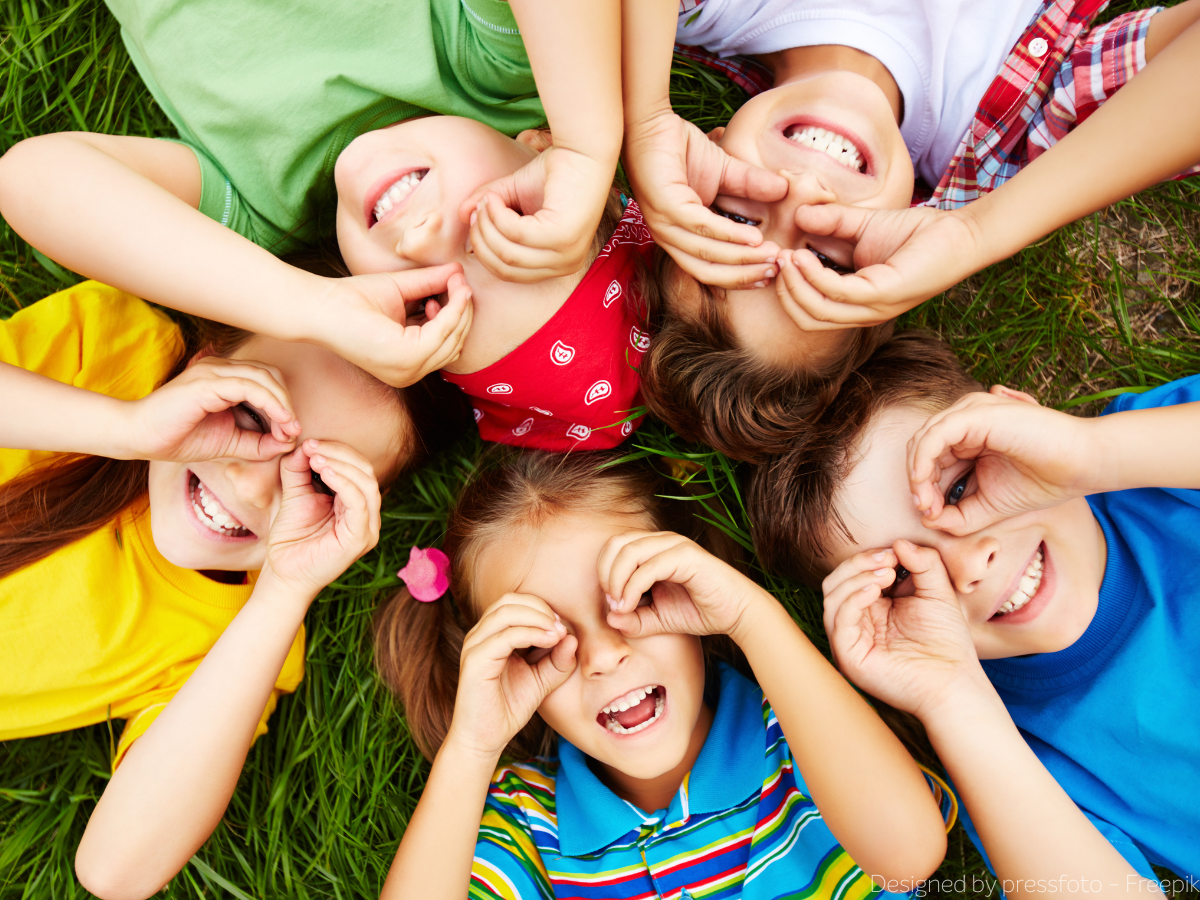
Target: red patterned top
572	385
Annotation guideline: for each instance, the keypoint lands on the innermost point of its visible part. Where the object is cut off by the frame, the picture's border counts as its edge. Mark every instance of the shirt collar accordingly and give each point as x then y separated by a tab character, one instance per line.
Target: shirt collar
727	771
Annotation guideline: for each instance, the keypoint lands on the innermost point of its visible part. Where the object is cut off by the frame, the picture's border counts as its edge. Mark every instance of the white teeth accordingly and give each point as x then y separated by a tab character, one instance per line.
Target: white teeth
628	701
212	515
617	728
398	192
1031	580
830	143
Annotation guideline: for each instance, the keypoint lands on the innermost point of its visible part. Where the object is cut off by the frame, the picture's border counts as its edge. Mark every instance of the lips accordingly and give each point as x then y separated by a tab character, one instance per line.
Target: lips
831	139
390	193
1030	592
210	512
634	711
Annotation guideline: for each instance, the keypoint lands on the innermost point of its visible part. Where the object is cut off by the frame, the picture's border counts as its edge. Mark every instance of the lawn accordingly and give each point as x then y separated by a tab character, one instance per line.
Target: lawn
1105	305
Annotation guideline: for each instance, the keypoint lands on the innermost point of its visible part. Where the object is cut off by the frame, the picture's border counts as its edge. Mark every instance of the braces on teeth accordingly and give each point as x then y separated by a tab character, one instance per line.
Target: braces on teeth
1030	582
398	192
829	143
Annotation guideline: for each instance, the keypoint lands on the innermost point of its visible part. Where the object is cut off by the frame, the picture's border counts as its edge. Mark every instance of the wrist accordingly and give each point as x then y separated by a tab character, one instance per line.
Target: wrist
759	613
469	751
273	589
124	433
964	698
311	308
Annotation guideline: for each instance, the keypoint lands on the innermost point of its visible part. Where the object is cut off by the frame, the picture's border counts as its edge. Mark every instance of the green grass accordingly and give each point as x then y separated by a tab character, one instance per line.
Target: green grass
1103	305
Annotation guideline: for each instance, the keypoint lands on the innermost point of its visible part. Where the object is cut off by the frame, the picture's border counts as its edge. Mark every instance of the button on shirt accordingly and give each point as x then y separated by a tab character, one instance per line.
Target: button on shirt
741	825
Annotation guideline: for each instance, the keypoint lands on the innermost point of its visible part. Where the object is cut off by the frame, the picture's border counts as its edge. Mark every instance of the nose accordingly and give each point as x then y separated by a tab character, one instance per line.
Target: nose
423	242
602	651
968	560
254	483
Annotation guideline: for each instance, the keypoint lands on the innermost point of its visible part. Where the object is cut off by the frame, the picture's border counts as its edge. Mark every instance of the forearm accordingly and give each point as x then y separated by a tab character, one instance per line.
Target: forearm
1149	448
43	414
647	39
72	198
435	856
1036	838
574	48
174	784
869	791
1097	163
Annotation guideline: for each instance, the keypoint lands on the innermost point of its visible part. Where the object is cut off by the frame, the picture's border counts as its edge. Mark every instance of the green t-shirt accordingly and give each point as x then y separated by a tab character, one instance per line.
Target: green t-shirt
269	92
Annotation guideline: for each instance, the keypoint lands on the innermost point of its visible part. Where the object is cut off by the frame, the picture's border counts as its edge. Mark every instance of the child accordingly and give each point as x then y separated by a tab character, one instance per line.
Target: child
317	109
953	526
862	97
171	593
589	626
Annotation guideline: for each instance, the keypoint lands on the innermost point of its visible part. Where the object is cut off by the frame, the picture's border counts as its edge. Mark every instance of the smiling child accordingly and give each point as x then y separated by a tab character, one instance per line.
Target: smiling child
977	548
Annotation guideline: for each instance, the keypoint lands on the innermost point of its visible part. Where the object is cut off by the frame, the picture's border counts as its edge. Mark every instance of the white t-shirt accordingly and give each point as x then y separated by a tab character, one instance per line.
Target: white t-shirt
943	53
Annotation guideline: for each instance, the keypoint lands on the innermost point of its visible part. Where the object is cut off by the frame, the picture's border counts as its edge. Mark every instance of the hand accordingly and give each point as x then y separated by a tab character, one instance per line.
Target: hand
911	652
315	536
499	687
386	324
676	173
216	407
902	257
1026	457
540	221
691	591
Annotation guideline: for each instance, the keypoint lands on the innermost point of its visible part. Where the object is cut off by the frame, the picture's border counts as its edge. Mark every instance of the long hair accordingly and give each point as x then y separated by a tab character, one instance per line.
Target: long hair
418	645
68	496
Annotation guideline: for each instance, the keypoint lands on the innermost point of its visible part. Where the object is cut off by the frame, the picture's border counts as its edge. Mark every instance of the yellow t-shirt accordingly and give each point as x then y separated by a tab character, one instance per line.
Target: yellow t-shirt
105	627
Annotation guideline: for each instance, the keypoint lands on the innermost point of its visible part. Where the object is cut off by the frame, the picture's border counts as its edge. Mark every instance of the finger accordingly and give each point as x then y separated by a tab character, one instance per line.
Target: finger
414	284
357	499
532	256
441	340
505	188
872	581
833	220
342	452
929	575
492	654
638	565
643	621
730	277
269	378
295	471
740	179
223	390
557	666
510	610
608	554
797	297
845	299
848	617
732	242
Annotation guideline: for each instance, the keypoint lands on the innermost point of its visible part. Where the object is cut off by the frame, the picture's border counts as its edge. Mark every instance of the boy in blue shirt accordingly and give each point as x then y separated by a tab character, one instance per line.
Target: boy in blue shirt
990	563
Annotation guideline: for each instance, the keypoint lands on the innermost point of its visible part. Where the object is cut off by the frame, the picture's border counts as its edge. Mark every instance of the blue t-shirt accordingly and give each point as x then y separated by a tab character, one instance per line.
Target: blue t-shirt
1115	717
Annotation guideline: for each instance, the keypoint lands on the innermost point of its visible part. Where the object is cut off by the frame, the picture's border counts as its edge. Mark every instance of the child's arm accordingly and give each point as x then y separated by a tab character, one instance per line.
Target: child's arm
871	794
676	172
192	417
915	653
122	210
172	788
1146	132
498	693
574	48
1027	457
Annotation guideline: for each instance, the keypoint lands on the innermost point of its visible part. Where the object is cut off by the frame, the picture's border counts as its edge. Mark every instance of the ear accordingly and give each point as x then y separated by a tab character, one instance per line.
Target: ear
536	139
716	134
999	390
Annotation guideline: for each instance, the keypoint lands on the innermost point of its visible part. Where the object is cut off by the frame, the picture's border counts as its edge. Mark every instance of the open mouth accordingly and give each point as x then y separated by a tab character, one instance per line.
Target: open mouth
395	194
836	146
635	711
1031	580
211	514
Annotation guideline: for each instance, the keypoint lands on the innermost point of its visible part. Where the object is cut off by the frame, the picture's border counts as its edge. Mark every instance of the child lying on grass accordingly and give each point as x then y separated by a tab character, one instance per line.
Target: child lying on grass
634	764
989	563
862	96
400	117
172	508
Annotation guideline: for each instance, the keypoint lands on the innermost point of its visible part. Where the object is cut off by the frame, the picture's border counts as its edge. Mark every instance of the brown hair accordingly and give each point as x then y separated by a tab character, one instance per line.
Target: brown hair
69	496
791	497
417	645
698	380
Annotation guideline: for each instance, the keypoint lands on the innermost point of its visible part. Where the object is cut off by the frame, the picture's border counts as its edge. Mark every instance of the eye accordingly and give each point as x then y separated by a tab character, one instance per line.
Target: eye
320	486
250	419
902	575
647	599
830	264
734	217
958	490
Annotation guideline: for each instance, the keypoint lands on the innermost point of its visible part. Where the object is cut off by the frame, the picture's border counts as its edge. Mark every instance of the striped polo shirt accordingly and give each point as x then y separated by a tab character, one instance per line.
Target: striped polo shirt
741	825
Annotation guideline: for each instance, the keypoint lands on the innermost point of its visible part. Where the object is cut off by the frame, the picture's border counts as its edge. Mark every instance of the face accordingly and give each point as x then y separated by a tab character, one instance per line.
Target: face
1029	584
603	708
217	514
399	190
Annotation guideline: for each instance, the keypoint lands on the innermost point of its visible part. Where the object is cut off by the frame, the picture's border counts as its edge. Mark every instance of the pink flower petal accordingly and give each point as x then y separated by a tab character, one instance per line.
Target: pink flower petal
427	574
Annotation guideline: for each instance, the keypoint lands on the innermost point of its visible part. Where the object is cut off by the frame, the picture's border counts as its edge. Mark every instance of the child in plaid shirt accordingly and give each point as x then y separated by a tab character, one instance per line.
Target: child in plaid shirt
862	97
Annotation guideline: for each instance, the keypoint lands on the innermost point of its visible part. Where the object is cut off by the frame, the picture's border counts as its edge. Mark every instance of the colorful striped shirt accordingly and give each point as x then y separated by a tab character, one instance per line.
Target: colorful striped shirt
741	825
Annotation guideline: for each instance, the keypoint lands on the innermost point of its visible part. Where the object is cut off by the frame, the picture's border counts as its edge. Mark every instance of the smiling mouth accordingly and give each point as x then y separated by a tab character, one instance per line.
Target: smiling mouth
212	514
634	711
837	147
1031	580
396	194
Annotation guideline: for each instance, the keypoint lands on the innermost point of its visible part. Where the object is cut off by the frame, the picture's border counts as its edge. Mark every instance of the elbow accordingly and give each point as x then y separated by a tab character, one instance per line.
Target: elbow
109	877
16	167
911	861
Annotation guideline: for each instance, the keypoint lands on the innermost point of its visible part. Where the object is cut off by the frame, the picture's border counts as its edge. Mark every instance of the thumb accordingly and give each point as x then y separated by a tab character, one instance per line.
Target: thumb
740	179
255	447
929	575
413	285
295	470
557	666
639	622
506	188
833	220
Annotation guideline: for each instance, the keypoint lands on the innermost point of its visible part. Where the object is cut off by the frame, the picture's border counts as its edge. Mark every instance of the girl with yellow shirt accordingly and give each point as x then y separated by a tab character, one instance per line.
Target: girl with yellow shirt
169	509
